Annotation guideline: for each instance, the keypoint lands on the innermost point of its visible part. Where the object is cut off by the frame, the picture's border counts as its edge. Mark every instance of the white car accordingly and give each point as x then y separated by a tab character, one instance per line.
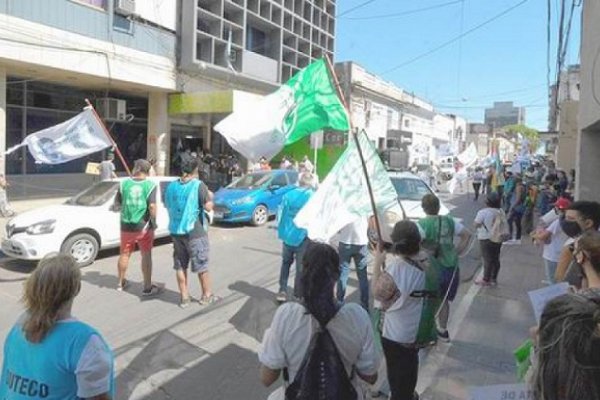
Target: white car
411	189
81	226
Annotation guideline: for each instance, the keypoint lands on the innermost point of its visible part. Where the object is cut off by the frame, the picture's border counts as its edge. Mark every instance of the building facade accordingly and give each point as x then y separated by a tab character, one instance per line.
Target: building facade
396	119
504	113
588	138
234	51
56	53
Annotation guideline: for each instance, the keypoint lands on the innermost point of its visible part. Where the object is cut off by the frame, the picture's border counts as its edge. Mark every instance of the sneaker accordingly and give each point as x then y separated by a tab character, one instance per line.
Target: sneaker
153	291
207	300
517	241
123	285
281	297
185	302
493	282
482	282
444	336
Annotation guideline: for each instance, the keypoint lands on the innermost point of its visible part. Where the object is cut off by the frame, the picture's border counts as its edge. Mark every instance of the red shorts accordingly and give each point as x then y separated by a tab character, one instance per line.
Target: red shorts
144	240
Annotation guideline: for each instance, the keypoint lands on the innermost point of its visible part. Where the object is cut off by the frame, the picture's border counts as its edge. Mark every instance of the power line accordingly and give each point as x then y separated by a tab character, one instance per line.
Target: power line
348	11
408	12
492	95
453	40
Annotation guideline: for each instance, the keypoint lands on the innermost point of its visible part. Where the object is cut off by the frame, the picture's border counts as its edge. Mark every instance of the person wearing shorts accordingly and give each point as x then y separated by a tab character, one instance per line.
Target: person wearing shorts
438	233
186	200
136	200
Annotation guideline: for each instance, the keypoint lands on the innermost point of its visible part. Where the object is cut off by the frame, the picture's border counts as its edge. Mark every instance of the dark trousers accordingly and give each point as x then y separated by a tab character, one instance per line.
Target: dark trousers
500	191
490	251
402	369
476	187
289	254
514	220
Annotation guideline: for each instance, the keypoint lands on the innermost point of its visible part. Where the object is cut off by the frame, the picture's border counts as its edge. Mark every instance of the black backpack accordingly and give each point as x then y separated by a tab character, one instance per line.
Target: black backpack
322	374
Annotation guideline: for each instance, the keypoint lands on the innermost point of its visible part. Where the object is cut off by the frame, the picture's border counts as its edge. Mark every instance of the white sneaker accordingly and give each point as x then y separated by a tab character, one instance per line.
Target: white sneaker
281	297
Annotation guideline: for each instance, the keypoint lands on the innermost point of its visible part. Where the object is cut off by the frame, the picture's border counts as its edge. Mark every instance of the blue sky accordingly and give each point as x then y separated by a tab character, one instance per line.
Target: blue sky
502	61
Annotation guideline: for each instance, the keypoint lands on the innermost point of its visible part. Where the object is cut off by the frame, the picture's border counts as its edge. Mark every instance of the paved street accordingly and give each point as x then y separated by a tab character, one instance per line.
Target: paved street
164	352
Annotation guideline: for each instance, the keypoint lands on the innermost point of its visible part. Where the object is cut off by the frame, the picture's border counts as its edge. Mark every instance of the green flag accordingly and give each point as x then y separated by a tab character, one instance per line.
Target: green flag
307	103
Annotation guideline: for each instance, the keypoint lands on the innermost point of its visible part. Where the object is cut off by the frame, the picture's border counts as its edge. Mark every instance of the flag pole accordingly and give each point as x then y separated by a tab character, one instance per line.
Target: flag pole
360	153
107	133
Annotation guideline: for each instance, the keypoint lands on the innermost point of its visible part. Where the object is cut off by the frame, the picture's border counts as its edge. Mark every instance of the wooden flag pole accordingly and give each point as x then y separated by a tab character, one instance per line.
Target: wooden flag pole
360	153
107	133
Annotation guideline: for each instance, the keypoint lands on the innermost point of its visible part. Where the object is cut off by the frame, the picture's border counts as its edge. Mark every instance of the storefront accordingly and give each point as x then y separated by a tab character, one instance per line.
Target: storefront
33	105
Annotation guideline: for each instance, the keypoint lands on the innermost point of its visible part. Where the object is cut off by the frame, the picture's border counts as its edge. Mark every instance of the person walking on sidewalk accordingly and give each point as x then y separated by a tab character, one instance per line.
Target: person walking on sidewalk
5	209
408	290
49	354
490	250
353	246
288	339
294	239
187	199
516	210
478	179
439	232
553	238
136	199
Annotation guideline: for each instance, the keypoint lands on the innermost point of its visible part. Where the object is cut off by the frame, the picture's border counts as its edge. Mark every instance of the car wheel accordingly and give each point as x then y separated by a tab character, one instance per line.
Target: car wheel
260	215
83	247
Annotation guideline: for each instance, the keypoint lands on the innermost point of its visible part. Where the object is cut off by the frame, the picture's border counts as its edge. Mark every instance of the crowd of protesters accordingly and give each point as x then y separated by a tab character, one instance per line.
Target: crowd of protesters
415	279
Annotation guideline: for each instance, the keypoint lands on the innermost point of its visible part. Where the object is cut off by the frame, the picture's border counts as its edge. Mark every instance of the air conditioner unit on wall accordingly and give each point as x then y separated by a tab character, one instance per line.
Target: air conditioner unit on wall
112	109
125	7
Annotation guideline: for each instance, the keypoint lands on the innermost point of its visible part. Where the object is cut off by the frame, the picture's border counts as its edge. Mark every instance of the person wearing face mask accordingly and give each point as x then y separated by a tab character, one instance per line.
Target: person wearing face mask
553	238
586	253
580	217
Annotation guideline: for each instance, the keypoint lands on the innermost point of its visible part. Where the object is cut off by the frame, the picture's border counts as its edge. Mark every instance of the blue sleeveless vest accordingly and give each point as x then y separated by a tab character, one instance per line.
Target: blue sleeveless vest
182	201
45	370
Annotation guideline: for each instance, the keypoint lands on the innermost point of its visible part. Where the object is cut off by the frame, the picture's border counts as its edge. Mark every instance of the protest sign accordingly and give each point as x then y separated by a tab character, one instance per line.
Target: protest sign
501	392
540	297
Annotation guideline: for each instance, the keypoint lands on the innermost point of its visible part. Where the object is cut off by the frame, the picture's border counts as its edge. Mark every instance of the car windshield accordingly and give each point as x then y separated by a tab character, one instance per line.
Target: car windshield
95	195
410	189
250	181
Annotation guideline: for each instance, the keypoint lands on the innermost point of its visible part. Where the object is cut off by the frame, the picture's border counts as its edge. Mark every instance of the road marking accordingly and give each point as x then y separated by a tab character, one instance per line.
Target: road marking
434	360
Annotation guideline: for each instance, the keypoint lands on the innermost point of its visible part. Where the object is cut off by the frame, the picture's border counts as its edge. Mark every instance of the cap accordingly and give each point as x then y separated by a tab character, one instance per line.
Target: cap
562	203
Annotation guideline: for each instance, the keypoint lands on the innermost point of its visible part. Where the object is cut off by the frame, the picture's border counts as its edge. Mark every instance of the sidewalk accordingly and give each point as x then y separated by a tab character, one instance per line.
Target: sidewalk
487	324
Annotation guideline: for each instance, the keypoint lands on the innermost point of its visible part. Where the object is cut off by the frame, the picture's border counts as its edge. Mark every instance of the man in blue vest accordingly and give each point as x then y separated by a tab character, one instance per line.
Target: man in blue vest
294	239
186	200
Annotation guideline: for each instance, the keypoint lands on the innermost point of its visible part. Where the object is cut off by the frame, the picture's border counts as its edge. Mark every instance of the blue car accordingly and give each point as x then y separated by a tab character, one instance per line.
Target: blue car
254	197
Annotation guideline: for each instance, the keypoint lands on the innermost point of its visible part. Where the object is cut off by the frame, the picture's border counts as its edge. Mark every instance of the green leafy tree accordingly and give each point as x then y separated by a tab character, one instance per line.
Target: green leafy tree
529	133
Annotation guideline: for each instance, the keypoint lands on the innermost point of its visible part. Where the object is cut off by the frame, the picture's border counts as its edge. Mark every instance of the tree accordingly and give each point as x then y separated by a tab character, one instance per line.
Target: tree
528	133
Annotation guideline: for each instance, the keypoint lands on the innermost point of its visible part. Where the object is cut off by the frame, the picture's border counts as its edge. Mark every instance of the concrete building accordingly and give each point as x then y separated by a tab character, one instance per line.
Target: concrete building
563	118
233	51
481	135
504	113
395	118
588	139
56	53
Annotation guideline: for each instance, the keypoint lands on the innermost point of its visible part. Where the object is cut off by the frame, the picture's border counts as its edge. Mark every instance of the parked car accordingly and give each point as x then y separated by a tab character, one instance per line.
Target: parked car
81	226
254	197
411	189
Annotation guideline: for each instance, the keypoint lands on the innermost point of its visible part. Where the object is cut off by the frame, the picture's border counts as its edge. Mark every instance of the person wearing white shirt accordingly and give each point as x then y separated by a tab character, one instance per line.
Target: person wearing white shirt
490	251
287	341
353	243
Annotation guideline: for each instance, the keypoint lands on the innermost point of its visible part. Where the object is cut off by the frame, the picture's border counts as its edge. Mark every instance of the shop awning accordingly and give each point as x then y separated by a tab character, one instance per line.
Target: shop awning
215	102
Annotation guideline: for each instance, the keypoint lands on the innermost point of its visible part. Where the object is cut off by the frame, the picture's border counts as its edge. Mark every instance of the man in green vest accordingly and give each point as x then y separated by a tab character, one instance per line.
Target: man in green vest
136	199
438	233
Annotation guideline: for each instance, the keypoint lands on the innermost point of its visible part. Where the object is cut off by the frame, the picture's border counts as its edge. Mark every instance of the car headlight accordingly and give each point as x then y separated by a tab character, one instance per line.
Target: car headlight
41	227
242	200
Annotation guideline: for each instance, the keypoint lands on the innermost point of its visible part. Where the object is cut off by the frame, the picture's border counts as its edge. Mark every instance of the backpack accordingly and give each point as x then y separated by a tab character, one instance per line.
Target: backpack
322	374
499	232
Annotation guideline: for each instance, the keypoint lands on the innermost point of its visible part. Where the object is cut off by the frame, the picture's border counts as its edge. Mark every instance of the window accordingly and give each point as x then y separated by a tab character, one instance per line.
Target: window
256	41
407	123
93	3
292	177
279	180
410	189
123	24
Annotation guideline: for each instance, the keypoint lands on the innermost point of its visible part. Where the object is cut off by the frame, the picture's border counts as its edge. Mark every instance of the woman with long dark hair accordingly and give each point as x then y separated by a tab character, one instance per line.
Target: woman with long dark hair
48	354
287	341
409	293
568	349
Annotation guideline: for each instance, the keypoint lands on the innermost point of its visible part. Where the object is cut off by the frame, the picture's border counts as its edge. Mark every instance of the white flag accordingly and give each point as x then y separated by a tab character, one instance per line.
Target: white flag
72	139
343	197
